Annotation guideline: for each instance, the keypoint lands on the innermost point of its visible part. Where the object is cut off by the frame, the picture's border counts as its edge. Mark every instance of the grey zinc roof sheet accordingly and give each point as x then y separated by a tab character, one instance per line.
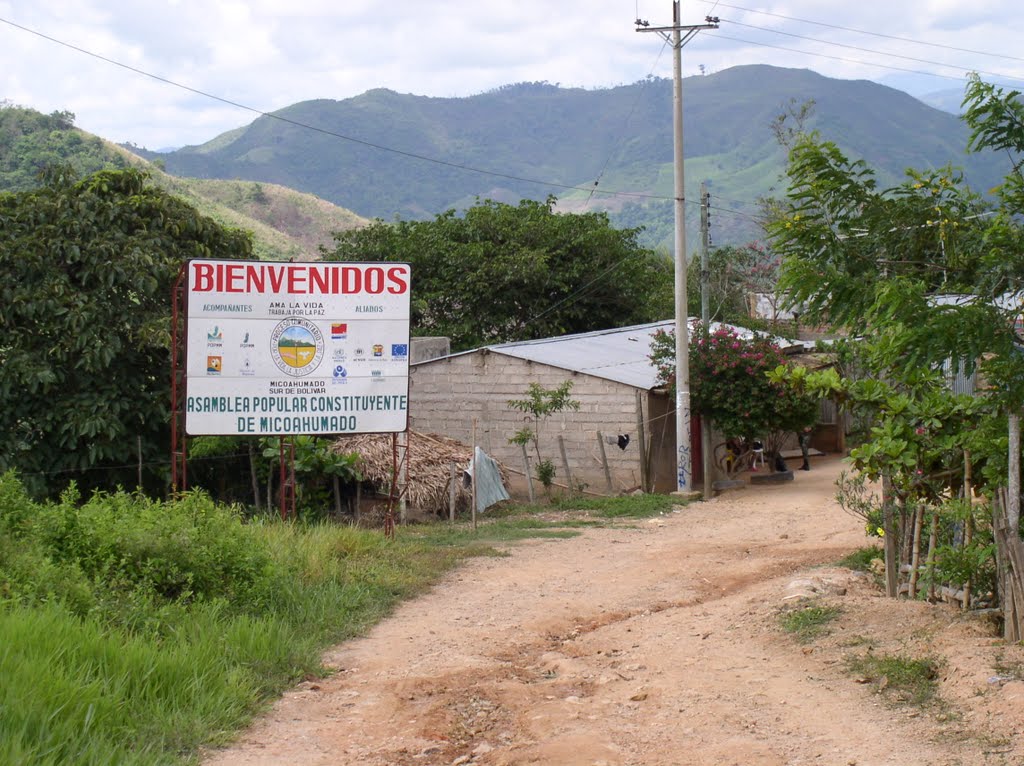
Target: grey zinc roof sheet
620	355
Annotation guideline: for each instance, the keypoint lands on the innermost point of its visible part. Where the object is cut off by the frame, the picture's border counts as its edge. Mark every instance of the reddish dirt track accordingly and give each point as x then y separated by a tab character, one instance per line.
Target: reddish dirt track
654	642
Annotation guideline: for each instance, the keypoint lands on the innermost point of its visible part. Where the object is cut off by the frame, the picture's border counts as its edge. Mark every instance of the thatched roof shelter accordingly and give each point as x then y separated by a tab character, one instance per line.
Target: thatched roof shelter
429	469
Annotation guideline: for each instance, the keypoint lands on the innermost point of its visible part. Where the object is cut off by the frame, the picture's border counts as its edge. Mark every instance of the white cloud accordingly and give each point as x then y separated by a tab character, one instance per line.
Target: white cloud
268	54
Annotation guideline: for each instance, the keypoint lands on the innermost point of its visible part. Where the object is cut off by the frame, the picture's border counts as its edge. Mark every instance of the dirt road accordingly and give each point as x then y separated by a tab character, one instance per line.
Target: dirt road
654	643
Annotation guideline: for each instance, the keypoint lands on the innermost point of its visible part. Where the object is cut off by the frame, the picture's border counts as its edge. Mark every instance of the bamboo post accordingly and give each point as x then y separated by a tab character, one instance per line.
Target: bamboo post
291	477
1012	509
642	436
889	529
604	463
138	444
451	492
969	522
475	476
915	549
526	472
403	476
933	541
281	480
1008	593
565	464
254	478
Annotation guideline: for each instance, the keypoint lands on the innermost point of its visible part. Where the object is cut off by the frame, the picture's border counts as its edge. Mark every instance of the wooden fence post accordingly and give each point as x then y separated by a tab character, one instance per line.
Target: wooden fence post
452	489
892	565
642	436
565	464
476	475
604	462
526	472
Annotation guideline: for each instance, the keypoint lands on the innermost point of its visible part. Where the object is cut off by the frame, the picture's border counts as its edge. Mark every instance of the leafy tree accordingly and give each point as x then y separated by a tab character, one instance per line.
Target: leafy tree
31	142
316	466
515	272
540	404
729	384
927	269
734	273
86	269
928	273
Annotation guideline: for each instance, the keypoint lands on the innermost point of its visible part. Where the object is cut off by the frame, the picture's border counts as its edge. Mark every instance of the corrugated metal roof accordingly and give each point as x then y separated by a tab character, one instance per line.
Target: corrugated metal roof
620	355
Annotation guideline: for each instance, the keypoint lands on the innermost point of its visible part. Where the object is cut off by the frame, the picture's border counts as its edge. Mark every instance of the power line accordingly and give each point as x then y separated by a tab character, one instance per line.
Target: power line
147	464
868	50
324	131
625	123
868	32
578	292
838	58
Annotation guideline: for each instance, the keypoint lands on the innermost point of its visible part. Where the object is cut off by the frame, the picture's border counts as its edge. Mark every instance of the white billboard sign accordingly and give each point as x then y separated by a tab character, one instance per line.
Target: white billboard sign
297	348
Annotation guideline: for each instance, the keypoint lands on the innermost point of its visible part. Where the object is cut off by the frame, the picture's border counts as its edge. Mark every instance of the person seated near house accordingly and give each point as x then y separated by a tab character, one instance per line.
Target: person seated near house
736	452
780	463
805	448
757	447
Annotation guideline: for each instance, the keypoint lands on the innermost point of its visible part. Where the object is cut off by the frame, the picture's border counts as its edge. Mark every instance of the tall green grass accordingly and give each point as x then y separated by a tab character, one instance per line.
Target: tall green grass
135	631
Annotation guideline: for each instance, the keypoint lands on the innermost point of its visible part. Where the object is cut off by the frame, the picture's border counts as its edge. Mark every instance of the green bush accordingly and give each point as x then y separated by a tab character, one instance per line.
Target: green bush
133	631
185	549
860	560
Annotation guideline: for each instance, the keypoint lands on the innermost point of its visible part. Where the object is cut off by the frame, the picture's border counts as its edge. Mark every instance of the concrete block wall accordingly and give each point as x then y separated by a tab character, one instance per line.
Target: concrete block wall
445	395
424	348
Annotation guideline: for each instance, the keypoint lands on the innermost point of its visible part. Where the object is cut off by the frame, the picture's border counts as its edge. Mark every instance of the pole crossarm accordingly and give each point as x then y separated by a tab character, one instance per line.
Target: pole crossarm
668	33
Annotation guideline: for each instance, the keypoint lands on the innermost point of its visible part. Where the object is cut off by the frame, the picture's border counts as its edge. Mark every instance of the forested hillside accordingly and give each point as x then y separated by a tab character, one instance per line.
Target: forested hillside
283	223
620	137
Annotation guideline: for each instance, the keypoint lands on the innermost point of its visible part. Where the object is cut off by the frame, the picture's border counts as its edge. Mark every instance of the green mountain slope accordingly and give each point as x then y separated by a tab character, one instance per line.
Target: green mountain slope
620	136
284	223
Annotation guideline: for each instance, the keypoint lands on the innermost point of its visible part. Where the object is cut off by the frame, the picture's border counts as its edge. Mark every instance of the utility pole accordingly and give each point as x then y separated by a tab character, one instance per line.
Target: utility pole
705	251
705	321
674	37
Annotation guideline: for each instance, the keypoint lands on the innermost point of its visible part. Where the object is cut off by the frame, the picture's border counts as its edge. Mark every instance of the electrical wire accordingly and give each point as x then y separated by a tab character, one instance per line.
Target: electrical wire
147	464
579	292
625	123
868	50
324	131
838	58
867	32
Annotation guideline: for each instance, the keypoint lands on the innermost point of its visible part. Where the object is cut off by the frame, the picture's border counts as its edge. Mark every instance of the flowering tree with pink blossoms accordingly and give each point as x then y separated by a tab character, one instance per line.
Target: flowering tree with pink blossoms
729	384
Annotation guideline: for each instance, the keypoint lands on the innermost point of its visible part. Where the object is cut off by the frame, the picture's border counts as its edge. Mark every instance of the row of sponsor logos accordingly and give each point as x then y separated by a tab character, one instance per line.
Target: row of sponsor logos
339	331
399	351
340	374
297	348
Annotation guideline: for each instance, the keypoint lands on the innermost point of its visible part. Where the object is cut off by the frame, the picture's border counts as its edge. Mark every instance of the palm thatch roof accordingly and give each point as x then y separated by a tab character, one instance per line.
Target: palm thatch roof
429	467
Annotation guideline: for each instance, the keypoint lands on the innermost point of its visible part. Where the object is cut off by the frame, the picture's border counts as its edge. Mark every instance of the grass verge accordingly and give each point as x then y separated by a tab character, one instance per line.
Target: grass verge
900	679
809	622
629	507
135	631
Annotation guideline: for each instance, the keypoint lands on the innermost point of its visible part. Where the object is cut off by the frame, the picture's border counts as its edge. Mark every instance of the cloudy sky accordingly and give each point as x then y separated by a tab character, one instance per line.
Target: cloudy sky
267	54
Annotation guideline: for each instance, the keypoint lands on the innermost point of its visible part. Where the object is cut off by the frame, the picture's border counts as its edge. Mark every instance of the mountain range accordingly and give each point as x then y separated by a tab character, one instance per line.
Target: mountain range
384	154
